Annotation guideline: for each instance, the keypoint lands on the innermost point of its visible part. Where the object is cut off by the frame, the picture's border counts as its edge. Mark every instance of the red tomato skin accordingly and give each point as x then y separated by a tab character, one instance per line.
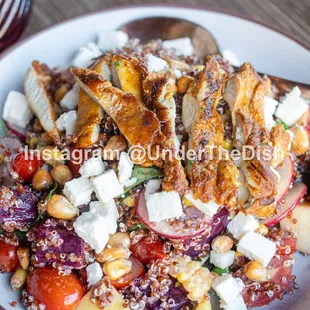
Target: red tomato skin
137	271
146	252
56	292
26	165
277	271
8	257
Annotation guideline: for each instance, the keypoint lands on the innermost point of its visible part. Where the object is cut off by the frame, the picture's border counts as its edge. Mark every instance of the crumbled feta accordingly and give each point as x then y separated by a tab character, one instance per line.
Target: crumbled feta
78	191
125	167
92	167
222	260
94	273
270	106
85	54
231	57
107	186
242	224
182	46
155	63
293	106
71	98
227	287
237	304
152	187
111	40
177	73
96	226
207	208
66	122
256	247
16	110
157	203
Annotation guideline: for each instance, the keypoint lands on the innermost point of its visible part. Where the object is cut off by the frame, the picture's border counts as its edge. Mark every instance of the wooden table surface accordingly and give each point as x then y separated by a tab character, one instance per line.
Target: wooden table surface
291	16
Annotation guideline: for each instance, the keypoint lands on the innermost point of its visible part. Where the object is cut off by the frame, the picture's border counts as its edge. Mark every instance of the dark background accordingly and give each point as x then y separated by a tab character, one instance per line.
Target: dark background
291	16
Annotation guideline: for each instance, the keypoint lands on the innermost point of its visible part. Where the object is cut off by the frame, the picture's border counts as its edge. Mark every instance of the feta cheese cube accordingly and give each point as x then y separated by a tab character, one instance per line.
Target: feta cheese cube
156	64
16	110
256	247
163	206
66	122
94	273
78	191
237	304
125	167
92	167
222	260
182	46
293	106
270	106
96	226
107	186
227	287
207	208
178	73
242	224
71	98
85	54
111	40
152	187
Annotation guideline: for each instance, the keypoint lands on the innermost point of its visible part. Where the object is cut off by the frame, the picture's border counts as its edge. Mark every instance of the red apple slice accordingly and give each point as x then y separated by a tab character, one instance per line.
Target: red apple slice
290	201
163	228
286	173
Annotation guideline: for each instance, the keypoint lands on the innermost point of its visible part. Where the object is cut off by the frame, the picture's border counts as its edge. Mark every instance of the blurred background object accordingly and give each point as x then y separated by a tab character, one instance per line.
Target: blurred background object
14	15
291	16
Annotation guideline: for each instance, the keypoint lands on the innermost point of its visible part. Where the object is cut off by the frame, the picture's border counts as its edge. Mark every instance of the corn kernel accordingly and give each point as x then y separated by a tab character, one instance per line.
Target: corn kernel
222	244
23	257
130	201
262	229
120	238
110	254
187	202
204	305
256	272
59	207
117	269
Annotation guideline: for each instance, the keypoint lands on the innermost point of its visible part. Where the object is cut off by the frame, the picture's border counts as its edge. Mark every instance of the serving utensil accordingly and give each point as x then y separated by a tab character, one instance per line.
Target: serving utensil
169	28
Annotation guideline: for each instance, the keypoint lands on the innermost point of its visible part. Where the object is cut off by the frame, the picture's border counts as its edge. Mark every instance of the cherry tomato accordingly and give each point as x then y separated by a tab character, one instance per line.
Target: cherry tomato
26	165
8	257
137	271
56	292
145	252
77	158
280	271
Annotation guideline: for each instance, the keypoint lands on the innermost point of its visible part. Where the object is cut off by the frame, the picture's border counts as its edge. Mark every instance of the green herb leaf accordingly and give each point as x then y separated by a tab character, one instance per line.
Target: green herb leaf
136	227
284	125
142	175
117	63
19	234
52	192
220	271
3	129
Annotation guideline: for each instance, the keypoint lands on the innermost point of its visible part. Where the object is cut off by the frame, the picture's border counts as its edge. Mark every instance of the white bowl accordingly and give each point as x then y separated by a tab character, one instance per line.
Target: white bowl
269	51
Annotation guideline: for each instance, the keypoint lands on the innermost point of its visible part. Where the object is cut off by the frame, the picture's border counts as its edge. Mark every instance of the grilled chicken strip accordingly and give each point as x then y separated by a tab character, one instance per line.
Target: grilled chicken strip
206	134
158	89
245	93
139	125
39	100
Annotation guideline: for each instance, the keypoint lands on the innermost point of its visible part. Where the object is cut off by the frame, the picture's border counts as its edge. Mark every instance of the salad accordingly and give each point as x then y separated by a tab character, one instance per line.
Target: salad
142	177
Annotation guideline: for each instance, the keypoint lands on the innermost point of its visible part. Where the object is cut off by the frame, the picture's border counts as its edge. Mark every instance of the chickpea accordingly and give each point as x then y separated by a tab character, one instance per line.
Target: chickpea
115	145
42	180
46	139
51	155
61	174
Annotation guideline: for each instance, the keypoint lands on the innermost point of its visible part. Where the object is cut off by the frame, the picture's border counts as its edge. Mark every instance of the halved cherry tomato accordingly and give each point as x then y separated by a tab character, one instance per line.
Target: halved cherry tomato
137	271
145	252
26	165
55	291
8	257
280	271
77	158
